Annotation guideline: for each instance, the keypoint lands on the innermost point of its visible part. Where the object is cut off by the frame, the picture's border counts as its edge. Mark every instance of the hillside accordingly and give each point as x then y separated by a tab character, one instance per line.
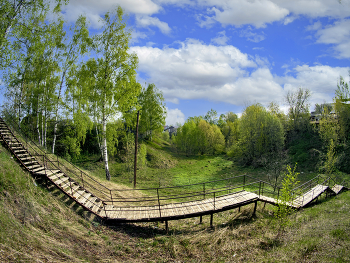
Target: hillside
42	225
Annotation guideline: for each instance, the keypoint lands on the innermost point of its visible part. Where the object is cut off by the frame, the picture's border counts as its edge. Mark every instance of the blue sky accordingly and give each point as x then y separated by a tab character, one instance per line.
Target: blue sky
228	54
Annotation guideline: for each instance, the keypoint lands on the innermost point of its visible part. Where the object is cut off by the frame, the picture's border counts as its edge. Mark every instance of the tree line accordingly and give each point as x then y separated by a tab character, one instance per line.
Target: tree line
267	137
74	91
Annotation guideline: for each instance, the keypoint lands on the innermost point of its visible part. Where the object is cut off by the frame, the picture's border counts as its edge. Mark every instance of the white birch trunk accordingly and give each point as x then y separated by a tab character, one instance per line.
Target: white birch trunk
56	117
37	124
105	153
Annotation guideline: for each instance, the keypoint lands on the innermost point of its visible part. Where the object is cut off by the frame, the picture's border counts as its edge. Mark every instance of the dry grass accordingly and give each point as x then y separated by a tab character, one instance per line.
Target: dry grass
43	225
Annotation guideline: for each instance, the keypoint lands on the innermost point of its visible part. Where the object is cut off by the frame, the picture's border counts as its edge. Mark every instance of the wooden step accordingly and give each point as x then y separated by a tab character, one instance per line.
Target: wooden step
14	143
30	162
48	172
61	180
18	148
84	198
90	203
72	190
77	194
19	151
27	158
37	170
56	176
337	188
32	167
67	185
22	155
96	207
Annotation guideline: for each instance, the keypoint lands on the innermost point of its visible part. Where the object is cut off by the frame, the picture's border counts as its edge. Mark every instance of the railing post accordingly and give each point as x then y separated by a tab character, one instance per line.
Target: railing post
82	180
278	193
203	191
214	200
160	212
259	187
243	181
110	191
262	189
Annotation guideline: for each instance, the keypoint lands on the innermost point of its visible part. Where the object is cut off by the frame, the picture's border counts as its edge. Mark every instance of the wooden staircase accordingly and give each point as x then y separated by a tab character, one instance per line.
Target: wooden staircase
62	181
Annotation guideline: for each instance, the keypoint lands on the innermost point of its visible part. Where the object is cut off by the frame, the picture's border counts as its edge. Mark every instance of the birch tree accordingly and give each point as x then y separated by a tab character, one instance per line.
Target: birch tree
72	49
153	111
114	71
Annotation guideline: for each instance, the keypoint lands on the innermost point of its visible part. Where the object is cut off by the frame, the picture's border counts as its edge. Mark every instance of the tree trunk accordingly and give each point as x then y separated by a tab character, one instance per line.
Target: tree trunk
9	25
136	140
37	123
105	153
56	116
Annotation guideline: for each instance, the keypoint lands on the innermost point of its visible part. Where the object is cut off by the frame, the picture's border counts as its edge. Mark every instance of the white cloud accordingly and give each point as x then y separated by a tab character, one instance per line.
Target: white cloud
146	21
199	71
337	35
261	12
251	36
136	35
221	39
315	26
240	12
174	116
225	74
321	80
92	9
289	19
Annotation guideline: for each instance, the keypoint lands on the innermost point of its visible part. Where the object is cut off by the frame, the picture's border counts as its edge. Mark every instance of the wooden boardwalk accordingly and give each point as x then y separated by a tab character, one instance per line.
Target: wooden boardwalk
306	198
173	211
165	209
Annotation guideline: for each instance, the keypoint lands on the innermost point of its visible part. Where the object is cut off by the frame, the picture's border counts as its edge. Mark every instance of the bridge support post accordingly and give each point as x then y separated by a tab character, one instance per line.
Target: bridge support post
211	220
200	219
255	205
166	226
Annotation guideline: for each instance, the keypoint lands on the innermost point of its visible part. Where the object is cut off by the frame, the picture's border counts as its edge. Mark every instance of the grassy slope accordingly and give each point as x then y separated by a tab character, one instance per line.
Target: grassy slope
39	224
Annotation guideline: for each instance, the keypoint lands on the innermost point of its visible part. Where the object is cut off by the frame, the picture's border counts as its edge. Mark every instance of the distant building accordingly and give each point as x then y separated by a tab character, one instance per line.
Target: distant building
171	129
315	117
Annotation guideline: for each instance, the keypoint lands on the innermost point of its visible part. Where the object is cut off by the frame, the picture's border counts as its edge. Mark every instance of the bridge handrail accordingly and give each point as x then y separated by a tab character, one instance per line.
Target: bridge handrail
26	139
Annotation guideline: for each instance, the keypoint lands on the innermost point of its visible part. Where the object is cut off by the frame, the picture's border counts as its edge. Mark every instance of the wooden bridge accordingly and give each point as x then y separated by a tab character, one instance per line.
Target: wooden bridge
154	204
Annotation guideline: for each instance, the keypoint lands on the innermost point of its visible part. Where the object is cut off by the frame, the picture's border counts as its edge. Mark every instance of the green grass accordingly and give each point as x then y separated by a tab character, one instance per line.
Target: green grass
167	168
39	224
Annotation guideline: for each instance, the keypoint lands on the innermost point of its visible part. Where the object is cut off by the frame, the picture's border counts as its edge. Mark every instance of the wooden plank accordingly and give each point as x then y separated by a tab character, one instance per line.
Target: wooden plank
61	180
39	171
77	194
55	176
84	198
337	188
71	190
27	158
32	167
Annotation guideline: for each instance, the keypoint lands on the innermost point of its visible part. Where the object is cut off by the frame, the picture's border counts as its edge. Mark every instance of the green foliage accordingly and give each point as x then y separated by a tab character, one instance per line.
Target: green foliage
329	165
305	149
286	197
211	117
342	97
260	133
153	111
165	136
298	109
198	136
72	147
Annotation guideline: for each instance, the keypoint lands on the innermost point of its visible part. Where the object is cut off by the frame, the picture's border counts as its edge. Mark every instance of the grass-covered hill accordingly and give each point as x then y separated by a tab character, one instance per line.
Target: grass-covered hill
41	225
